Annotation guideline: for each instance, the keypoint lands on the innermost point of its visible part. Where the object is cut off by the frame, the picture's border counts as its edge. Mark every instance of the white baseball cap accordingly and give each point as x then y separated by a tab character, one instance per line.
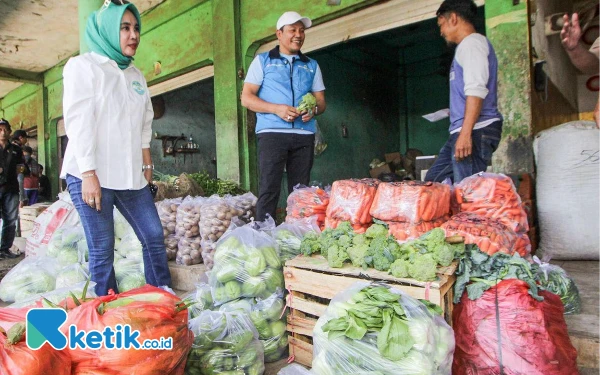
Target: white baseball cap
289	18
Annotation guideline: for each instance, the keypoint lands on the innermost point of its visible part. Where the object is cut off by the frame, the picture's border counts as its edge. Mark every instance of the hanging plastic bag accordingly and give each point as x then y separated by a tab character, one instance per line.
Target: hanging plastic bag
320	144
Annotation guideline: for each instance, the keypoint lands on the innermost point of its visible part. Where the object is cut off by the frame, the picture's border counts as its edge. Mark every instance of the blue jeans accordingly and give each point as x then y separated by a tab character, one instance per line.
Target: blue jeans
9	212
137	206
485	141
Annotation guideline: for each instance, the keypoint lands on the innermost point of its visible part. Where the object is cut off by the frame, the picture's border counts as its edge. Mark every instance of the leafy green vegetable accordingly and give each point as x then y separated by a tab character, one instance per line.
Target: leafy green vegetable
554	279
477	272
307	103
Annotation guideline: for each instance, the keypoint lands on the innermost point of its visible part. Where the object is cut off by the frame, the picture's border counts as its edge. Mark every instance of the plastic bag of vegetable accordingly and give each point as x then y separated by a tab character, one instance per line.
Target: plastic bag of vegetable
215	217
268	317
188	231
555	280
72	275
307	202
167	212
289	237
246	265
32	276
153	312
373	329
508	331
199	300
492	195
16	358
246	203
224	343
294	369
58	296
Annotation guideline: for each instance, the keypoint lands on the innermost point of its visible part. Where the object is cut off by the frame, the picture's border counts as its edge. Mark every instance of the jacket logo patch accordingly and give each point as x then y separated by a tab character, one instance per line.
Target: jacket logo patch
137	87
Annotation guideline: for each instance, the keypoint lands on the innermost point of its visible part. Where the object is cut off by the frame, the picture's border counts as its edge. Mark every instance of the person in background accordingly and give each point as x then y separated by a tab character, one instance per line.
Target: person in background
45	190
108	119
31	181
475	122
10	157
274	86
587	61
19	139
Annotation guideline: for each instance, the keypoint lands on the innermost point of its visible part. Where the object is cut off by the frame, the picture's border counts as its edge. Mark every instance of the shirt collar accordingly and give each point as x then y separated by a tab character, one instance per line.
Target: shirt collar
274	53
101	59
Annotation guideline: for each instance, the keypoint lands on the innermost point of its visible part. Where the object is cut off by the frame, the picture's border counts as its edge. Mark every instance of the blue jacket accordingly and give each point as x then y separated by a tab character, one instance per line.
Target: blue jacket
285	83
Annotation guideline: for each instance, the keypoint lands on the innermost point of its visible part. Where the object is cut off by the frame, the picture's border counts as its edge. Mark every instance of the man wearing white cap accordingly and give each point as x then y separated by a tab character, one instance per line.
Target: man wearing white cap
274	86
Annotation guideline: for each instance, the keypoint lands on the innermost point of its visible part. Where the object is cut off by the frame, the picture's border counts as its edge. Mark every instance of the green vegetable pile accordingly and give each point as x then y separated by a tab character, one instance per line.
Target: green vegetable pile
307	103
375	248
224	343
212	186
477	272
377	331
246	265
555	280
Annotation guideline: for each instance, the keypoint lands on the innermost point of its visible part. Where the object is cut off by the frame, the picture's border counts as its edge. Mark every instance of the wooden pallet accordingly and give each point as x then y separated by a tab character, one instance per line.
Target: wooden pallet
312	284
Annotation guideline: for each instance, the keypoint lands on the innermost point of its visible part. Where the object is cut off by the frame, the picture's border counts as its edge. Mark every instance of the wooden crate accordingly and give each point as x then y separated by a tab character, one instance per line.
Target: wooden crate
312	284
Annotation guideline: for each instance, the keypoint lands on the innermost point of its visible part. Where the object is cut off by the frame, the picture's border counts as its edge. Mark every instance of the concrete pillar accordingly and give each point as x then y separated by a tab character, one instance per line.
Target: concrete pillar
85	8
508	30
230	134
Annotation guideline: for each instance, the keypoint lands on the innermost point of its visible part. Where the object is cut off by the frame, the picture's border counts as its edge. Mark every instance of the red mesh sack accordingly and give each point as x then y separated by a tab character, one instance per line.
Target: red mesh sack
18	359
489	234
493	196
350	200
411	201
149	310
507	331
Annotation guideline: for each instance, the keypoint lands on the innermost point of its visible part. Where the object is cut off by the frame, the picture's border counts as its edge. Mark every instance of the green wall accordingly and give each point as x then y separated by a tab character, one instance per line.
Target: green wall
362	97
187	34
189	110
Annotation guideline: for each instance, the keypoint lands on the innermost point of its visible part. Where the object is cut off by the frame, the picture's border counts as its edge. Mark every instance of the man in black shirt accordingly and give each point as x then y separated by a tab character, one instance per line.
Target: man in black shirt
10	156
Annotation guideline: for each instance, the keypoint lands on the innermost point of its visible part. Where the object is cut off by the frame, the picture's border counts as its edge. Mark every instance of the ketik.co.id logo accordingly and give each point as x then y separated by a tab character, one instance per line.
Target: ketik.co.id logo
43	325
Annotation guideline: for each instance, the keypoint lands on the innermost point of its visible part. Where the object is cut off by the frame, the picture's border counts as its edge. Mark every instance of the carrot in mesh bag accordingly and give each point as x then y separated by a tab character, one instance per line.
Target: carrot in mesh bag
149	310
507	331
490	235
492	195
411	201
306	202
404	231
351	200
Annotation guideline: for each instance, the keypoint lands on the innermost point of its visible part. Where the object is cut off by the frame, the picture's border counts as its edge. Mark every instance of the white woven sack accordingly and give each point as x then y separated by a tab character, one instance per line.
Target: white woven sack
567	186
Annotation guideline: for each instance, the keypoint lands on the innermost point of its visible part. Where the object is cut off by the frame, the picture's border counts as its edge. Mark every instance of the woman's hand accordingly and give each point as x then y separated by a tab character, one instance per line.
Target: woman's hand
91	192
148	175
